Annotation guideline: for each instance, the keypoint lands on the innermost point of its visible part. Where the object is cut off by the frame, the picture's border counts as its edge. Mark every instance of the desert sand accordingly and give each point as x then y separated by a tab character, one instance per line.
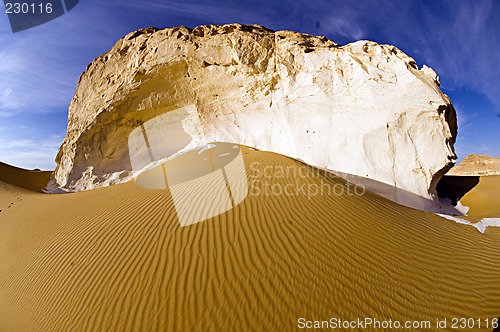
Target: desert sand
32	180
117	259
484	199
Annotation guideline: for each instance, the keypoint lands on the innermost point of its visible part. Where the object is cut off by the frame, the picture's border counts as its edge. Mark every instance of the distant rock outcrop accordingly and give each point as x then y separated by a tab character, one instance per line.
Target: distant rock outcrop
477	165
363	108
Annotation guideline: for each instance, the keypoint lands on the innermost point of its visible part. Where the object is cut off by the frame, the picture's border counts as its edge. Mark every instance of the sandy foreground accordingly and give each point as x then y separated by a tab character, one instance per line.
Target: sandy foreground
117	259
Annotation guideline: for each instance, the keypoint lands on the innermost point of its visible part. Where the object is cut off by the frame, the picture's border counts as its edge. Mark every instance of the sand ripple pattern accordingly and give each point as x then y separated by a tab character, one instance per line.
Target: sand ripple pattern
116	259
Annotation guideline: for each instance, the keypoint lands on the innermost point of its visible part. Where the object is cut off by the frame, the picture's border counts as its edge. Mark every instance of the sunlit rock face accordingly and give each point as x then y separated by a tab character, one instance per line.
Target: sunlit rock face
477	165
363	108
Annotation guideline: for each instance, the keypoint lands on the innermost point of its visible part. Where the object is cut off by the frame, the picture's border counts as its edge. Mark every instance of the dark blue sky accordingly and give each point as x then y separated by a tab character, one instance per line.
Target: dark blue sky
39	67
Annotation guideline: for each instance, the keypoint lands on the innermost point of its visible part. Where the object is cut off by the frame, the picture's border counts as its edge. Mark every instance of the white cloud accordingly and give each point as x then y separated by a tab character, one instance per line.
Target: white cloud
28	153
342	26
36	158
7	144
463	46
213	12
459	39
39	67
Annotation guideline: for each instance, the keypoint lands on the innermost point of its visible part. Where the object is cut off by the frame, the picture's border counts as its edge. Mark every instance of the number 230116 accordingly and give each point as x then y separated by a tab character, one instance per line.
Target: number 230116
27	8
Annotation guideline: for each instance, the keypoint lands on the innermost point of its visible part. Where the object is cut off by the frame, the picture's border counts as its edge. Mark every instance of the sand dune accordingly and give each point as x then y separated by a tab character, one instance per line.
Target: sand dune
484	199
117	259
23	178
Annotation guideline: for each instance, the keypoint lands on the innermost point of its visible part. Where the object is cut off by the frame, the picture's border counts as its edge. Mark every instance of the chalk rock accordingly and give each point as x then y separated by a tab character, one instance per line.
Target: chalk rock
363	108
477	165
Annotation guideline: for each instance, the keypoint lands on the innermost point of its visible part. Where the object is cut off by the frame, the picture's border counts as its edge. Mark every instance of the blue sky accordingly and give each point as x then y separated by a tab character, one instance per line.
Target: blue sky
39	67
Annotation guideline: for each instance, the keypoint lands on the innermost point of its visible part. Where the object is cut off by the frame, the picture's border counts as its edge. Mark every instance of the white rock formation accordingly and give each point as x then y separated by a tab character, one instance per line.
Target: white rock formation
363	108
477	165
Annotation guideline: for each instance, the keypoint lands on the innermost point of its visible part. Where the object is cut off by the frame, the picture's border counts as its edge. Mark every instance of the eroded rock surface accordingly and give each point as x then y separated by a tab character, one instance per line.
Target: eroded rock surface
363	108
477	165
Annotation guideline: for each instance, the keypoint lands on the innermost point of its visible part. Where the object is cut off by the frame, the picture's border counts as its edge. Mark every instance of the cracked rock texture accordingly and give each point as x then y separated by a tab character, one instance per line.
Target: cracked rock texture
477	165
363	108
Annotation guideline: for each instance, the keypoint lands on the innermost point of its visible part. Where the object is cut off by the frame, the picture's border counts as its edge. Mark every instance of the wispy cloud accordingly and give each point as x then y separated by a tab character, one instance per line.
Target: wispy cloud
7	144
39	67
467	43
459	39
30	81
272	14
30	153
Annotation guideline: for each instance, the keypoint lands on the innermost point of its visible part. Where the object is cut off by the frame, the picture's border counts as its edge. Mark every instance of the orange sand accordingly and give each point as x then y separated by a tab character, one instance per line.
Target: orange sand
32	180
484	199
116	259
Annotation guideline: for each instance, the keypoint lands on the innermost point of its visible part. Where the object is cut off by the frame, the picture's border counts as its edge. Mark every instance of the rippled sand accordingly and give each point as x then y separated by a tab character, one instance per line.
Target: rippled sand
117	259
